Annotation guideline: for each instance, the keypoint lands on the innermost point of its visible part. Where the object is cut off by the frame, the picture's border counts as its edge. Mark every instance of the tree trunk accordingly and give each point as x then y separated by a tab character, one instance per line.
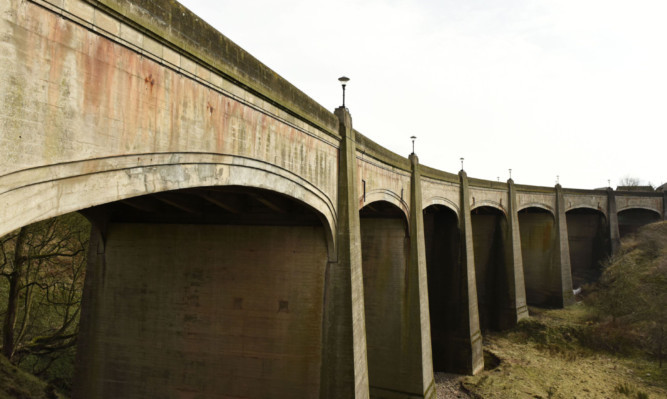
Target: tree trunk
8	344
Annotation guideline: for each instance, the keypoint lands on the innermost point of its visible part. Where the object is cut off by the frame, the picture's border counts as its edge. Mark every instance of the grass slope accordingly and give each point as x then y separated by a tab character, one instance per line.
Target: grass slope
16	383
547	357
607	346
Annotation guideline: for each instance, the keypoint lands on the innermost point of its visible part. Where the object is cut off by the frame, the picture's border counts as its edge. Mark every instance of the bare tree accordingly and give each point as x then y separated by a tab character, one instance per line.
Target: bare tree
629	181
43	265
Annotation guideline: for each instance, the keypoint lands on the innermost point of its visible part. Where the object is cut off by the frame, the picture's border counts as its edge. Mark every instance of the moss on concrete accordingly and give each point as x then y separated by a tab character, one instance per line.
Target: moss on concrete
427	171
487	183
375	150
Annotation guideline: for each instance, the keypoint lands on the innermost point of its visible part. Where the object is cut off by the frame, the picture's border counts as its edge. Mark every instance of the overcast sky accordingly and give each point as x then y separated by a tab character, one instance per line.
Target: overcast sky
545	87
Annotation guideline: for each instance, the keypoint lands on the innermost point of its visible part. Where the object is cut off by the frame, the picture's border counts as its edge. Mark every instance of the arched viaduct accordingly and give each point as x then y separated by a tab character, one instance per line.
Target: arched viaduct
249	243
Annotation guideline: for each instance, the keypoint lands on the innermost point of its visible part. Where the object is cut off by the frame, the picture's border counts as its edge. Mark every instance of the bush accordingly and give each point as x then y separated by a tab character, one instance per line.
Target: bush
632	295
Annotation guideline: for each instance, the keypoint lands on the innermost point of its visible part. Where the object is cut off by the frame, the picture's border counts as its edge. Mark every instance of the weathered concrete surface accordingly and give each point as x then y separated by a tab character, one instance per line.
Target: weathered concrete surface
631	219
106	100
213	310
518	307
538	244
420	324
490	236
78	103
588	235
562	260
442	248
345	366
438	192
380	182
385	251
468	356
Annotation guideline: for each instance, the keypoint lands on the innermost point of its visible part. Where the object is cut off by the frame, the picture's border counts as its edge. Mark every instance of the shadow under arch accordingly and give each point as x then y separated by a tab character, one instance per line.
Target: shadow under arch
491	205
225	278
539	253
589	243
492	244
389	197
587	207
630	219
442	242
385	252
442	201
73	186
538	206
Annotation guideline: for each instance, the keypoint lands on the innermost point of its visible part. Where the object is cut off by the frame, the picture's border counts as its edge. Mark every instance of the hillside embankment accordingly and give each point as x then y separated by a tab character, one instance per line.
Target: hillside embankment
611	344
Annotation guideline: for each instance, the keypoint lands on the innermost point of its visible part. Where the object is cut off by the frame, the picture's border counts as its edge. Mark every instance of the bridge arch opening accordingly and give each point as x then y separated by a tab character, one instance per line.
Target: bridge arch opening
588	240
385	248
442	241
490	241
630	220
214	290
541	270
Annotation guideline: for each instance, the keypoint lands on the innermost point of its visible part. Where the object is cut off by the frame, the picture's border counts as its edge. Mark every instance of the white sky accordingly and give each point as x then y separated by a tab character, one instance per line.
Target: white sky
575	88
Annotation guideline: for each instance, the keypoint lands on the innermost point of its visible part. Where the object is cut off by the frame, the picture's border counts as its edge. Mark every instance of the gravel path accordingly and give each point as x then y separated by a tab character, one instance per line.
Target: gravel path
448	386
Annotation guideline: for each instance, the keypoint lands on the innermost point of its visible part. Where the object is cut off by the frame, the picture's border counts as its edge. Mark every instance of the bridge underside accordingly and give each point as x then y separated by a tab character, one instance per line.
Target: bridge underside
216	293
448	332
385	248
629	220
538	249
588	234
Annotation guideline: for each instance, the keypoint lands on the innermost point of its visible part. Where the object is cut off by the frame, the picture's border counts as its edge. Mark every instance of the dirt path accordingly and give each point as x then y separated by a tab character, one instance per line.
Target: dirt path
448	386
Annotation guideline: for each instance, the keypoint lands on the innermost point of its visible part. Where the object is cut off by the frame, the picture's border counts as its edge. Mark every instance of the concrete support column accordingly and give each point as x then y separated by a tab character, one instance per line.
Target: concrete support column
614	233
419	333
469	357
86	370
514	263
344	371
562	253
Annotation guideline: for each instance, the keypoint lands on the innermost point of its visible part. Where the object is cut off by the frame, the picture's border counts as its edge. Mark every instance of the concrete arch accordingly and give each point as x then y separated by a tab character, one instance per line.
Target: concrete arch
446	202
388	196
54	190
490	204
537	205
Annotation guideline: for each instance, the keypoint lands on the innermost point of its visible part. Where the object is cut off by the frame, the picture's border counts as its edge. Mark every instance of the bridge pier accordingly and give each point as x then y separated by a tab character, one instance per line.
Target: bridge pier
614	233
517	308
562	259
344	357
420	326
467	357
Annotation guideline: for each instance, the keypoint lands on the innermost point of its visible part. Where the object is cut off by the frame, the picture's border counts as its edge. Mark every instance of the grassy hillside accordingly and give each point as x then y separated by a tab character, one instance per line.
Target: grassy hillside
16	383
608	345
549	356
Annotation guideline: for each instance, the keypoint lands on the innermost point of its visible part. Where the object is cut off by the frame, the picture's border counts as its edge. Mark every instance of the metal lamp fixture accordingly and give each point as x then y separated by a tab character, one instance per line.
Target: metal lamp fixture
413	138
343	81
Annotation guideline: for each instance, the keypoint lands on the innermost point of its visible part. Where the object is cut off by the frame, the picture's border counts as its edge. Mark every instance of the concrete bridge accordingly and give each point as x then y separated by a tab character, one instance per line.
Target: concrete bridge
248	242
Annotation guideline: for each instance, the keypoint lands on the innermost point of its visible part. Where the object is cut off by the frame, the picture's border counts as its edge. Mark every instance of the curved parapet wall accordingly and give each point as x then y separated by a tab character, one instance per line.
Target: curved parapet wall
124	77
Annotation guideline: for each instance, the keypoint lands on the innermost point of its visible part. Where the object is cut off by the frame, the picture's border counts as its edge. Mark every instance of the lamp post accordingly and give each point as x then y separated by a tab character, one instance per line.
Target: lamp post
343	81
461	163
413	138
510	173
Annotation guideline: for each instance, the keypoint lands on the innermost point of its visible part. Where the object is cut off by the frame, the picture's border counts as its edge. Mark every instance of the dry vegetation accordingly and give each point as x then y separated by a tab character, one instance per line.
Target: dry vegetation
610	345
